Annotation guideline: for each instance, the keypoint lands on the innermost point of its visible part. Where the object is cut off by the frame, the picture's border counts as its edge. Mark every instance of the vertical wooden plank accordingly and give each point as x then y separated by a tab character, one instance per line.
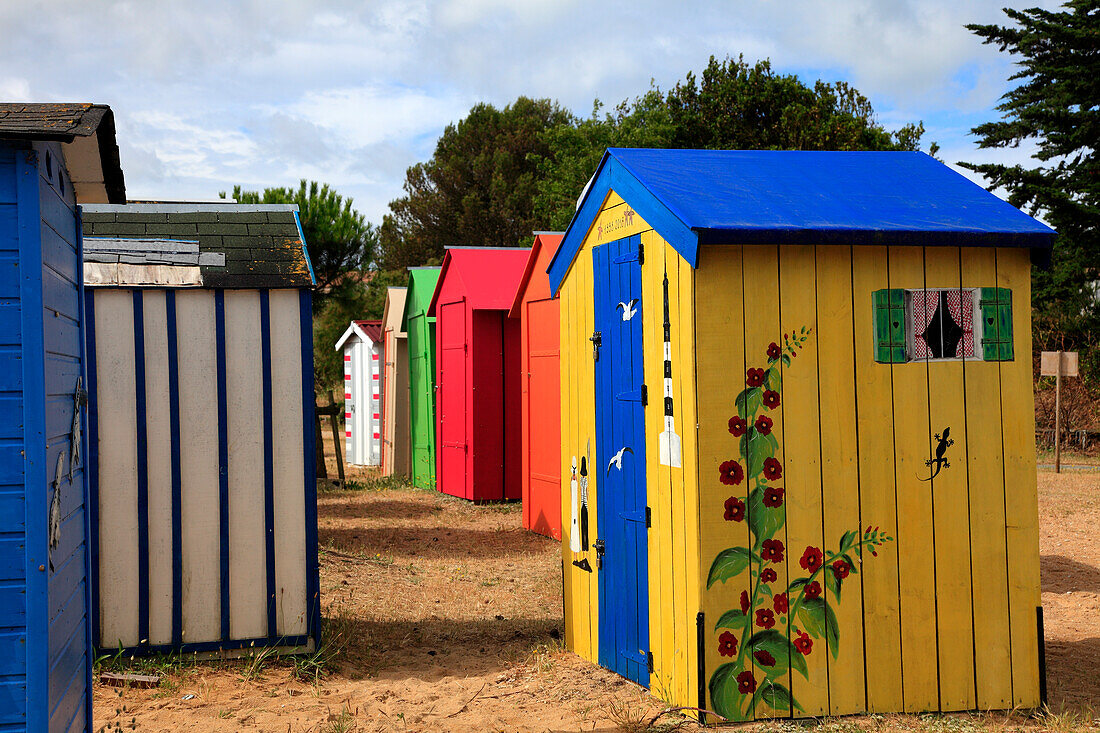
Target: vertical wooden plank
985	478
1021	493
764	308
159	461
195	336
951	508
840	469
568	452
800	446
720	328
247	604
118	511
687	562
586	437
289	463
662	605
877	494
916	549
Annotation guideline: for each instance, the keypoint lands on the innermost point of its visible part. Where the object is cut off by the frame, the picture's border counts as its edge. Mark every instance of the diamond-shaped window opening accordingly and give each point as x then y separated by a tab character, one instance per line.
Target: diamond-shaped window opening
942	323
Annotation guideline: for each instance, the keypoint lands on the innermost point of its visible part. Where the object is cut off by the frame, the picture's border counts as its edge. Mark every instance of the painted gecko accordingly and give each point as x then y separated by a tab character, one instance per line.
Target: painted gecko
939	462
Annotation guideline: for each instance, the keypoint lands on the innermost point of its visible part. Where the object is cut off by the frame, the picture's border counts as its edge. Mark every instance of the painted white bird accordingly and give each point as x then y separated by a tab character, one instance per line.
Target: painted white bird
617	459
628	309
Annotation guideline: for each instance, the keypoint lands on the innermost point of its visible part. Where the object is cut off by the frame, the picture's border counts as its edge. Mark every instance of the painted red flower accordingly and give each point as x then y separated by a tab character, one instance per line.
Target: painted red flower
767	575
773	469
727	644
763	424
772	550
812	590
735	509
754	377
804	643
773	496
780	603
841	568
764	658
765	619
774	351
746	683
811	559
745	603
738	426
771	399
731	473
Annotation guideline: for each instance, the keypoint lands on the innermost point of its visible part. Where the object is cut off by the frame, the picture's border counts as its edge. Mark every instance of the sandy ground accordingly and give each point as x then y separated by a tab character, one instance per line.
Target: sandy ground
443	616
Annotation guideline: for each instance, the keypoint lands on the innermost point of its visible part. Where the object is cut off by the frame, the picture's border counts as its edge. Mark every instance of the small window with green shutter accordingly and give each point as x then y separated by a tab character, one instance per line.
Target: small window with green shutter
942	324
890	326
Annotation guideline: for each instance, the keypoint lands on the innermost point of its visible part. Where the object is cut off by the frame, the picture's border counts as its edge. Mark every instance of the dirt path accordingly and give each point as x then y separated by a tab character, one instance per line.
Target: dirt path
443	616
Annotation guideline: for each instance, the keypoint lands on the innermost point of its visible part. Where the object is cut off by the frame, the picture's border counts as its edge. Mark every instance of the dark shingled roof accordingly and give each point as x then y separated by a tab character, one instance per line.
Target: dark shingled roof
65	122
262	243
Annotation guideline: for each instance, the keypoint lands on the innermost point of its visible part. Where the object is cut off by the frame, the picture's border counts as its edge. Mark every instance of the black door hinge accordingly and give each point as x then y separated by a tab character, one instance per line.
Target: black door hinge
597	340
599	547
641	258
648	517
645	396
649	661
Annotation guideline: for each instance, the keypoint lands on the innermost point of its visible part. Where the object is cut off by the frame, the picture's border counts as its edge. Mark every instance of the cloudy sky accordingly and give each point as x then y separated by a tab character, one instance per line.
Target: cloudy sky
209	93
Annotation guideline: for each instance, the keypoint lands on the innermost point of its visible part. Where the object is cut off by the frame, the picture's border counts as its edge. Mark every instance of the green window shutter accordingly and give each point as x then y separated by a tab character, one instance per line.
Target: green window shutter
889	308
996	309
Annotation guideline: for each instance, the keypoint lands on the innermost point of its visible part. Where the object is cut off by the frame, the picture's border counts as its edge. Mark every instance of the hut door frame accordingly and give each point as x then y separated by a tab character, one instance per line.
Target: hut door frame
622	516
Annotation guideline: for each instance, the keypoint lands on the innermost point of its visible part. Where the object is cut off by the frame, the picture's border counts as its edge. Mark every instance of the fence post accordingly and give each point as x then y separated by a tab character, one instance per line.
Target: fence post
336	442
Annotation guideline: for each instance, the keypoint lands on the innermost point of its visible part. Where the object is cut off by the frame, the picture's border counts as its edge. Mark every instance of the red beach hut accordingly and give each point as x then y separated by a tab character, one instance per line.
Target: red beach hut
477	373
540	398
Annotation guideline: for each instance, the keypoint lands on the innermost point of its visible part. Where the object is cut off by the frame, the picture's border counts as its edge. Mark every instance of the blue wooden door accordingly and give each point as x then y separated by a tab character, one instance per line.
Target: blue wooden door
620	460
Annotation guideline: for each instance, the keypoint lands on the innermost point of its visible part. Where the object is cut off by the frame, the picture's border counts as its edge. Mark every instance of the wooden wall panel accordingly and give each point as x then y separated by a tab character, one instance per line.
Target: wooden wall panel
289	456
1021	493
118	506
197	347
985	477
950	507
877	488
159	458
840	495
244	383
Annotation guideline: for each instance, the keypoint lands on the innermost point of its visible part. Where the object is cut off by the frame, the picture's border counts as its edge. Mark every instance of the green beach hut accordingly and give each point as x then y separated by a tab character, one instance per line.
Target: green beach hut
421	330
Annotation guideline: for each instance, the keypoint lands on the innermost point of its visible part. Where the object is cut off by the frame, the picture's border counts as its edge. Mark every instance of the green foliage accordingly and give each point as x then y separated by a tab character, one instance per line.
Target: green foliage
478	188
1054	106
339	240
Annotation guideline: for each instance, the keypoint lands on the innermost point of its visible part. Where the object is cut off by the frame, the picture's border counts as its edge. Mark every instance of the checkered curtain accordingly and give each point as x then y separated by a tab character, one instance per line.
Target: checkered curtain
960	303
923	307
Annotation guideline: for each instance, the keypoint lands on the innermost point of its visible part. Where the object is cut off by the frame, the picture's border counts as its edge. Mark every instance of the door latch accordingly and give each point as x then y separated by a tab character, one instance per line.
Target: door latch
599	547
597	341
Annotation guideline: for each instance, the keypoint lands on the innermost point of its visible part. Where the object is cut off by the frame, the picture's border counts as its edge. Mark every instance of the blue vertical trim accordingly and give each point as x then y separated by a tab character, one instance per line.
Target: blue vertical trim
35	476
305	249
269	462
92	462
142	468
89	620
305	316
223	458
177	481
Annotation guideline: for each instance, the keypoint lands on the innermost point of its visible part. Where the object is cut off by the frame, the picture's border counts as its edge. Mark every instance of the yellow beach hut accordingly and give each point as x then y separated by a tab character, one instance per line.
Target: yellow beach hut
798	469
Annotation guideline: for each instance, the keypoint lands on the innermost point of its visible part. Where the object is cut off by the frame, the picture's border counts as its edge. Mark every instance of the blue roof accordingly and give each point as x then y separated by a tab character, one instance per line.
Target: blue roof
695	197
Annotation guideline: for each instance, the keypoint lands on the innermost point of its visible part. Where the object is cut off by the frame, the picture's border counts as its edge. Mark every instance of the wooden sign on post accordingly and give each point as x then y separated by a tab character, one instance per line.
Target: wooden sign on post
1058	364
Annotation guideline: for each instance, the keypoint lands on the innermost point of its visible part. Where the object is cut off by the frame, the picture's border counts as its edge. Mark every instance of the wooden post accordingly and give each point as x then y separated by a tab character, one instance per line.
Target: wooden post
336	442
1058	416
319	456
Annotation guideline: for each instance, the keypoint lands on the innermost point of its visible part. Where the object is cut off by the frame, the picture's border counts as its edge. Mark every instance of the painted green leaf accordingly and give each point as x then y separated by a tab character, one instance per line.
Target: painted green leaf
724	697
756	448
832	629
775	644
796	584
773	379
848	540
764	521
786	360
731	619
729	563
833	583
812	616
852	566
749	401
775	696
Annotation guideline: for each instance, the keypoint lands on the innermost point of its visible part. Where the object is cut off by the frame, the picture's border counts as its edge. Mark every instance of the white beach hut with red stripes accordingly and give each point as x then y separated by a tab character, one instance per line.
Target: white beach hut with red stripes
362	345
